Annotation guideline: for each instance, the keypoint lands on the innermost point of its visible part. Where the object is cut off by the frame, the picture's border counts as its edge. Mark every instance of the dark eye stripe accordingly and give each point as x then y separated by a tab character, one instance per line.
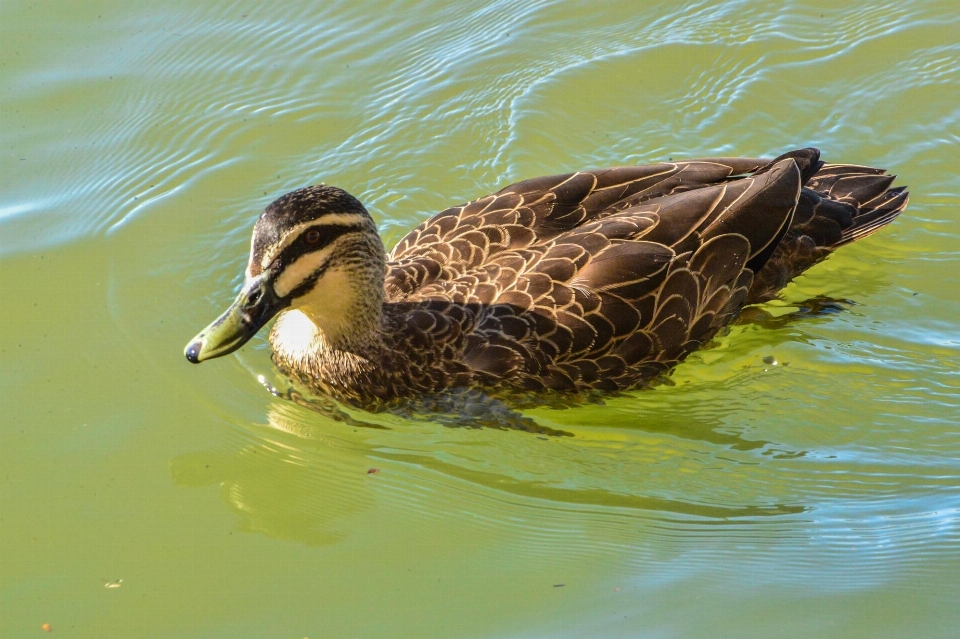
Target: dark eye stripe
328	233
308	282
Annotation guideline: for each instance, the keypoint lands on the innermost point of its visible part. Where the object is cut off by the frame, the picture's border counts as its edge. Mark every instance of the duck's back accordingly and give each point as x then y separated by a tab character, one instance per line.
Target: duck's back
601	279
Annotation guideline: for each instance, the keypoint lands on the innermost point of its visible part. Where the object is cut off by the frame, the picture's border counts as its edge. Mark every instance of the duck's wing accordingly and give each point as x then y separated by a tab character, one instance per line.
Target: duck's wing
628	294
534	212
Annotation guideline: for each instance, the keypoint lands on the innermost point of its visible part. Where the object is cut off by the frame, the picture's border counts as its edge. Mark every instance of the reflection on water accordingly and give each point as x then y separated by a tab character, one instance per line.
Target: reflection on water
279	489
306	478
457	408
297	476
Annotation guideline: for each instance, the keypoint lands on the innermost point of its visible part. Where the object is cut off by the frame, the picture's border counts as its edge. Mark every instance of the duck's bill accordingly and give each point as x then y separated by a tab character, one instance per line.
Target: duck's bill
253	308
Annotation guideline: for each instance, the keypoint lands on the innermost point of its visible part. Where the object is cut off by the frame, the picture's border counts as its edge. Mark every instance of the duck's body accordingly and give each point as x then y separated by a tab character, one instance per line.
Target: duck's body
592	280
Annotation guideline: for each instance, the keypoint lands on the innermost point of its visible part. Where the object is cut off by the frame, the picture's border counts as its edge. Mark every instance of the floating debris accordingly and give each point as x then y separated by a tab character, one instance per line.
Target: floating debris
46	627
771	360
559	585
116	583
373	471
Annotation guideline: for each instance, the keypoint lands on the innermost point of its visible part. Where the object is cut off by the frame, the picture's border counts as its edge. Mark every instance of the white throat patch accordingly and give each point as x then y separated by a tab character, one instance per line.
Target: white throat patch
321	316
294	335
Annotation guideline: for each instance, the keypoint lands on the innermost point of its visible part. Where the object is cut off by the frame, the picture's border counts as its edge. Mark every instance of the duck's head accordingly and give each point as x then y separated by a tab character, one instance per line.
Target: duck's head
315	250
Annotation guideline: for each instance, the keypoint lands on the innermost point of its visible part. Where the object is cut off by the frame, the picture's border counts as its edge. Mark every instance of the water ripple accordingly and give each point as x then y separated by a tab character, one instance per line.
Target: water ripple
832	470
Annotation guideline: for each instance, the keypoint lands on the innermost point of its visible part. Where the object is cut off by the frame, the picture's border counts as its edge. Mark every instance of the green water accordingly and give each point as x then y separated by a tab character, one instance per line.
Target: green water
819	497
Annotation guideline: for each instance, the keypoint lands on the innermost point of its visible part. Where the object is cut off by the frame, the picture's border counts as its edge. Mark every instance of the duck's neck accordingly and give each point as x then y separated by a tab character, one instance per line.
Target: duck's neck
341	319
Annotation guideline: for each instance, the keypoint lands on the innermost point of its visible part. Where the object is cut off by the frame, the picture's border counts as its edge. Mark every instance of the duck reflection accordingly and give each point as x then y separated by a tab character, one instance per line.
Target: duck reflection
307	477
285	479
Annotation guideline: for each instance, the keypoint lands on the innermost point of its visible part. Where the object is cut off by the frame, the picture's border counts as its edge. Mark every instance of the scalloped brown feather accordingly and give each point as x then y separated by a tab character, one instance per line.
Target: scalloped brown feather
603	279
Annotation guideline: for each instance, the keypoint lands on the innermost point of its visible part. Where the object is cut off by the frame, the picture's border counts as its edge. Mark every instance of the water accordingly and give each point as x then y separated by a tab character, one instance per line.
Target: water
818	496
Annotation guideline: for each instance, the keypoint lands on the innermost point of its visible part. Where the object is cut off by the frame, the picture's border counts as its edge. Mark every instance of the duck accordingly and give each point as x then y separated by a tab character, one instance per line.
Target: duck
592	281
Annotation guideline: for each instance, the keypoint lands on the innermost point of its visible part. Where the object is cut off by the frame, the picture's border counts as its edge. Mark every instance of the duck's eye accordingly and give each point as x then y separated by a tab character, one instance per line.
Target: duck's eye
312	236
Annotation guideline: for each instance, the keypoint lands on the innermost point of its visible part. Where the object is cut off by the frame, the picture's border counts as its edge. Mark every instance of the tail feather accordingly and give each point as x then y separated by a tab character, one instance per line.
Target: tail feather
838	204
872	220
883	194
829	170
859	189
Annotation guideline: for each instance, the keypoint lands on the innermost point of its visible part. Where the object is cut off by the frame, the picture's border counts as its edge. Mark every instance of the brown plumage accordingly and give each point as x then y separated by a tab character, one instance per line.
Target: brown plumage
591	280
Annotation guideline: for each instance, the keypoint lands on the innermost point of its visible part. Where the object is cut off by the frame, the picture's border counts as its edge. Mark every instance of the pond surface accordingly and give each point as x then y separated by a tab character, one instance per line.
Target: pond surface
815	497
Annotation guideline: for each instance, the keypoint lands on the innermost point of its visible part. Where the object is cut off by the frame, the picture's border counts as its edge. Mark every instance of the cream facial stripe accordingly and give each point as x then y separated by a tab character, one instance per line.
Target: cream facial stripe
338	219
305	266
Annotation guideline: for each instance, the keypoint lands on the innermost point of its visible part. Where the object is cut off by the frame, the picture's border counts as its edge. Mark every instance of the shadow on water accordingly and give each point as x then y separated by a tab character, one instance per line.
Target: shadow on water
470	408
690	420
456	408
819	306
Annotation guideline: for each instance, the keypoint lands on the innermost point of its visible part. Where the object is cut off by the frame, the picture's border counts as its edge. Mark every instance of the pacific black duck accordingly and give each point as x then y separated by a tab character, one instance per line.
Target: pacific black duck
590	280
